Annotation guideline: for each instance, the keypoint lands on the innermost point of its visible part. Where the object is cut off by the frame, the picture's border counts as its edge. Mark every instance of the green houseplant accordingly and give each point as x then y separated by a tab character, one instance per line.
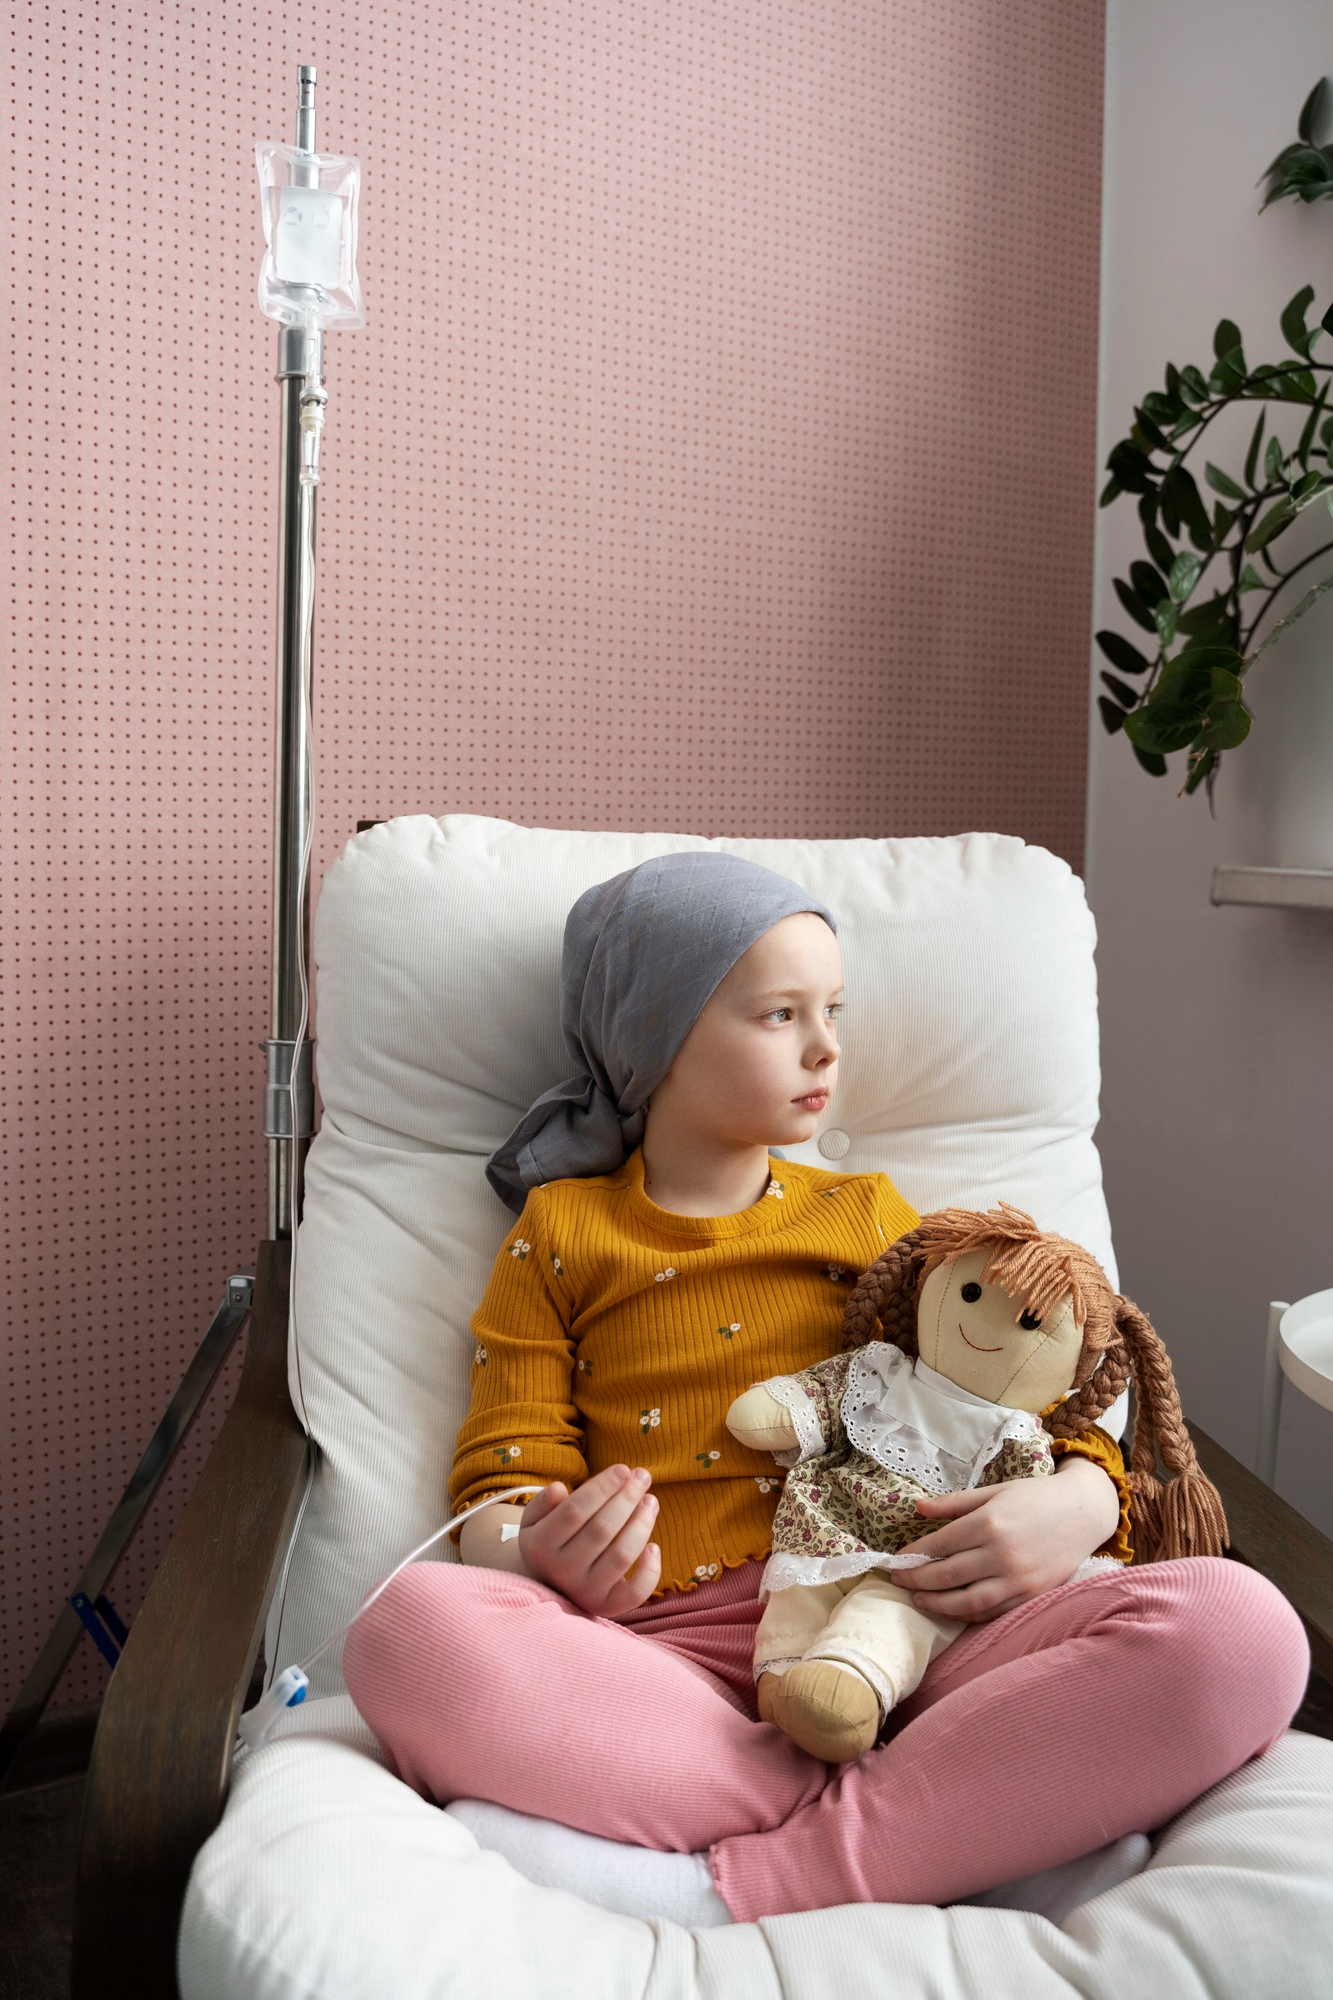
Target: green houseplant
1208	581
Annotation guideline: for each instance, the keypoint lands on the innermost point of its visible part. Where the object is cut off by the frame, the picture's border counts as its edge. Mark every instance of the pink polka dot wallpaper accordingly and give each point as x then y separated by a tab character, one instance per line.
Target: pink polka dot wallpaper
718	455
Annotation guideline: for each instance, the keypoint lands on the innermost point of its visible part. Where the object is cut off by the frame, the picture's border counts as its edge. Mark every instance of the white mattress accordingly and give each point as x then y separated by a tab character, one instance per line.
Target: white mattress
329	1878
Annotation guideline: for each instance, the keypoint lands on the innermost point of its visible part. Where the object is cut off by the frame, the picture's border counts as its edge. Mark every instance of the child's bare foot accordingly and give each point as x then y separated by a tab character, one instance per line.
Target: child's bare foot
826	1709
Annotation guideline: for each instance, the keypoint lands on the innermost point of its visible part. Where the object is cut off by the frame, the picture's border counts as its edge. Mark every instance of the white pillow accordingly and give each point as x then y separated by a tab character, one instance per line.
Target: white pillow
970	1075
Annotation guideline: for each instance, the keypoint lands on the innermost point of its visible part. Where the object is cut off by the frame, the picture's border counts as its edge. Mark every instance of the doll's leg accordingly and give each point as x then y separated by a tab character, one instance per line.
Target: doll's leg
877	1629
1138	1692
481	1684
870	1655
792	1622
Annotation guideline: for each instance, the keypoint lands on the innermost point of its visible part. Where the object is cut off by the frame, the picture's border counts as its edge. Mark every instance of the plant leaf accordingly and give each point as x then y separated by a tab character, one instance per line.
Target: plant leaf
1227	724
1184	575
1112	717
1135	606
1124	694
1227	340
1275	460
1292	322
1152	762
1192	383
1132	467
1111	491
1178	487
1252	455
1163	728
1310	123
1166	615
1121	654
1307	435
1200	659
1159	548
1211	621
1148	430
1250	578
1274	522
1148	583
1220	483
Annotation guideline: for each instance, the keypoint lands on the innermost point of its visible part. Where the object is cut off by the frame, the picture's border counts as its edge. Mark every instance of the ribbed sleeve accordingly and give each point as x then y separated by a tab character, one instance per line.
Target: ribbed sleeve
1102	1449
522	1427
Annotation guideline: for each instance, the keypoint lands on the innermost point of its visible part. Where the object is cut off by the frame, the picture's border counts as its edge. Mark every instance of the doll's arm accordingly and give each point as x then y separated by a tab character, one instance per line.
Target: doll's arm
1020	1458
758	1420
796	1417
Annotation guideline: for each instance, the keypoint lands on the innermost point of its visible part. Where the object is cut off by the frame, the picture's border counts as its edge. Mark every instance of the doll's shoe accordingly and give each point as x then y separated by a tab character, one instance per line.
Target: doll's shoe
767	1692
826	1709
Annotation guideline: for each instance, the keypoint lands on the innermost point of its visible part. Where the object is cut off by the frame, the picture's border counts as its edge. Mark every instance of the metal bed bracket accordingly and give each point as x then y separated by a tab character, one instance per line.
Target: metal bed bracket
280	1092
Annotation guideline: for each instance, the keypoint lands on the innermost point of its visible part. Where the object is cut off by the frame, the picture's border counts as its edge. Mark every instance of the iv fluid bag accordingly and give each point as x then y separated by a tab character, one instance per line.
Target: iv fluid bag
309	270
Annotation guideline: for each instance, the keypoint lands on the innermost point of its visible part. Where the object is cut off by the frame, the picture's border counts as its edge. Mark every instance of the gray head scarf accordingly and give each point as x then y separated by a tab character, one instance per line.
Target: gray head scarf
642	955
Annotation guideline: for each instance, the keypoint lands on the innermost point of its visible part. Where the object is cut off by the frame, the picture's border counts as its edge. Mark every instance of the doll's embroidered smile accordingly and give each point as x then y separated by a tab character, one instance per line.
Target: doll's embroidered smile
973	1344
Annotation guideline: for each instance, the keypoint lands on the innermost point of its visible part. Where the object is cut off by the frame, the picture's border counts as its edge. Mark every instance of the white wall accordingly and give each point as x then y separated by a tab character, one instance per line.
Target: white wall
1218	1023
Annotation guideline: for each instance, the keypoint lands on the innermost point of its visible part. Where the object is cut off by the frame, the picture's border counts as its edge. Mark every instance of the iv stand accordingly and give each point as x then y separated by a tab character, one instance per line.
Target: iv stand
300	365
300	377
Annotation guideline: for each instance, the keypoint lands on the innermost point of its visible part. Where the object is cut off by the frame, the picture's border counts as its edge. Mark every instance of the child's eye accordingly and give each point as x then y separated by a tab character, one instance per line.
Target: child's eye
971	1292
832	1011
779	1014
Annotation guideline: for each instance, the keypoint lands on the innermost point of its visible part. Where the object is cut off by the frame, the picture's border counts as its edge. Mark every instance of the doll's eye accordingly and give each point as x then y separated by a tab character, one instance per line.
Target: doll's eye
1029	1322
971	1292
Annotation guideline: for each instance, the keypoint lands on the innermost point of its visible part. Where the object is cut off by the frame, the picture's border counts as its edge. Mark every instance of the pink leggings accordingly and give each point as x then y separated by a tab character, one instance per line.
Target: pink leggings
1100	1709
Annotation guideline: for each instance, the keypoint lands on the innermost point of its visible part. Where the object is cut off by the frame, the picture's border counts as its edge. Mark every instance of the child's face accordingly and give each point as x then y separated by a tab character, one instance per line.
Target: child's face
759	1065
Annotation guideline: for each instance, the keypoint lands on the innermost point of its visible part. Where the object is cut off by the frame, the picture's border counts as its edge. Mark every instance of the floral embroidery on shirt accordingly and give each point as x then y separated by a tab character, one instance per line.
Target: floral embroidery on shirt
506	1453
837	1272
585	1367
707	1459
730	1332
557	1266
777	1189
520	1248
480	1358
706	1570
649	1420
662	1276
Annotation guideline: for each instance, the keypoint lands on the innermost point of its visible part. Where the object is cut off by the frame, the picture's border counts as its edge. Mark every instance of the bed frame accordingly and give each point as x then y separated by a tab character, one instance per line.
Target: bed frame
161	1762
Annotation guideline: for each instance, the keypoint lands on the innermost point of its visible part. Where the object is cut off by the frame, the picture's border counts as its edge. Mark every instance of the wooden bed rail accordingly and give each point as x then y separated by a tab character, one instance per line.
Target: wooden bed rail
161	1761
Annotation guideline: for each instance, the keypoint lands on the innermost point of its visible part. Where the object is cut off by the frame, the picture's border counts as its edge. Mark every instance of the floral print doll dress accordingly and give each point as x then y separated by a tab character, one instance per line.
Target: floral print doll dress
877	1432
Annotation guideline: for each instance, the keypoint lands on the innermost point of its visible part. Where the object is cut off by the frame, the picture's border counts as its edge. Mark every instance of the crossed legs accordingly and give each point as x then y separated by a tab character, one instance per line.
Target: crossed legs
1135	1692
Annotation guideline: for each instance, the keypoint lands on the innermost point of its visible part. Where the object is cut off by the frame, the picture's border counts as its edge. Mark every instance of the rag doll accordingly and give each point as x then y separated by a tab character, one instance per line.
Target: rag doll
970	1345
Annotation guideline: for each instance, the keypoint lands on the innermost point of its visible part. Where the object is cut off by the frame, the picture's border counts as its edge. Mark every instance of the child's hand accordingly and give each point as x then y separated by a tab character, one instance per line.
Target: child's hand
1004	1544
582	1543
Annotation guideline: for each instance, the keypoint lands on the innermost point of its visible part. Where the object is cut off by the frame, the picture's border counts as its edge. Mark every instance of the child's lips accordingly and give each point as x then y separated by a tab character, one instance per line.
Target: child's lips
814	1100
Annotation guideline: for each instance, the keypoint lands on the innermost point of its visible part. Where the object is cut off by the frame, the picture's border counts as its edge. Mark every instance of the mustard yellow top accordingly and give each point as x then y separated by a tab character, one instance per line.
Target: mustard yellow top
615	1332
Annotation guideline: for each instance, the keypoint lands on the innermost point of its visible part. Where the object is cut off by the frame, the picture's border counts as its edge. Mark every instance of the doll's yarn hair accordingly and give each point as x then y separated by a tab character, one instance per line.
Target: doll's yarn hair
1177	1517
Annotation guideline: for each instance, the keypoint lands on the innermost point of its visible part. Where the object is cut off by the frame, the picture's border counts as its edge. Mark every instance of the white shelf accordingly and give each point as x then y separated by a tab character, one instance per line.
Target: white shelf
1275	888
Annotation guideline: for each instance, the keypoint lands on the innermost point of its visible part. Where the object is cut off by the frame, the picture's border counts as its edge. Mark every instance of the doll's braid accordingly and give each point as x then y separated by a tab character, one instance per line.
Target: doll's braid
883	1305
1182	1516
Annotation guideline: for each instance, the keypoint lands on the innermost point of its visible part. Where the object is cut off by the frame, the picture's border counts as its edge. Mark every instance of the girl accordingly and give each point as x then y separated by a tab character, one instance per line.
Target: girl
590	1661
